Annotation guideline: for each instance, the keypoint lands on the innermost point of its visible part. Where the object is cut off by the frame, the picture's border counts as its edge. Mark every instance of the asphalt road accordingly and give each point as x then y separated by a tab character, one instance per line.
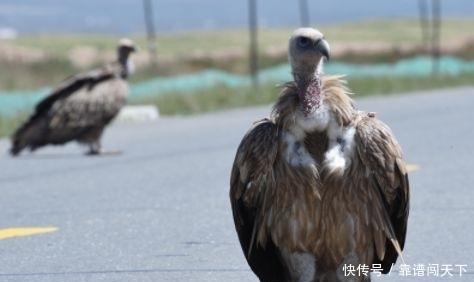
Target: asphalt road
160	211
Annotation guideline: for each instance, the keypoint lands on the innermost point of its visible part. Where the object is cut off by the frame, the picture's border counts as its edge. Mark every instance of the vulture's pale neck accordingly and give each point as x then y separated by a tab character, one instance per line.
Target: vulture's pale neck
308	80
126	64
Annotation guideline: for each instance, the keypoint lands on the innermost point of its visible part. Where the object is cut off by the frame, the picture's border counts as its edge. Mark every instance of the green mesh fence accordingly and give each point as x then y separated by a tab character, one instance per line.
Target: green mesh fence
14	101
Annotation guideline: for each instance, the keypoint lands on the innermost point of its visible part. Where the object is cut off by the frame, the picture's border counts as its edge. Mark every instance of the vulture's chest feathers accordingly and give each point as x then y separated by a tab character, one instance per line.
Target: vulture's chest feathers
315	157
319	140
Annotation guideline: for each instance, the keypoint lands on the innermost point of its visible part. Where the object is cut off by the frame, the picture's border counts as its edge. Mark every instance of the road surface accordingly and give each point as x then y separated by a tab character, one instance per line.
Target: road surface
160	211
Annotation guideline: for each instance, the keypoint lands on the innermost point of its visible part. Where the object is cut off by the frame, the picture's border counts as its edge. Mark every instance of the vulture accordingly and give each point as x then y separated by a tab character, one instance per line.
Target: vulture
319	188
80	108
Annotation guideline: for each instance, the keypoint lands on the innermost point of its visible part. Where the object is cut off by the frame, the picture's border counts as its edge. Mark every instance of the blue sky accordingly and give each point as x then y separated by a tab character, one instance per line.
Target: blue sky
126	16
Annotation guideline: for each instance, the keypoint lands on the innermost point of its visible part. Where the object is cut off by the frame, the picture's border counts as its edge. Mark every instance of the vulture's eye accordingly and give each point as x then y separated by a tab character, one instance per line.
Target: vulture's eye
304	42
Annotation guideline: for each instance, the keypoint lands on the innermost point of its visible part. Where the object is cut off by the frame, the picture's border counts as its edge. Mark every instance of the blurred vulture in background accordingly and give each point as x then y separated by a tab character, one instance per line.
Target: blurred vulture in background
319	190
80	108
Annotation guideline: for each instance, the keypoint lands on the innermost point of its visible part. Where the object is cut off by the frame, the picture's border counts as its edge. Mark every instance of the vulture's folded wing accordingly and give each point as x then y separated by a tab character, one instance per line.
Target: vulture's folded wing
251	176
85	100
70	86
378	151
67	88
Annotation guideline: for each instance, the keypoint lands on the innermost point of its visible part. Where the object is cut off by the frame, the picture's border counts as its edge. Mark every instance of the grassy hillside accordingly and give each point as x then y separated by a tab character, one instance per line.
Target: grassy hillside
40	60
43	60
387	31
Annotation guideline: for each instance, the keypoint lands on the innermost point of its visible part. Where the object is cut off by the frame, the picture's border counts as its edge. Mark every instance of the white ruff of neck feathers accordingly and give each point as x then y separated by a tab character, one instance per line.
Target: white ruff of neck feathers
130	66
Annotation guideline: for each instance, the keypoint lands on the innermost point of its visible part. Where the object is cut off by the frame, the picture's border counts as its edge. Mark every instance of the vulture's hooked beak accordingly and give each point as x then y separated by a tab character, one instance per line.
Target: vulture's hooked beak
322	46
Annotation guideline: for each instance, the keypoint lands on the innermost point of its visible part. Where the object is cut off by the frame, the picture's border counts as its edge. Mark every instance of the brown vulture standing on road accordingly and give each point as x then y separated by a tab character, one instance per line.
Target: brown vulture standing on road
319	186
79	108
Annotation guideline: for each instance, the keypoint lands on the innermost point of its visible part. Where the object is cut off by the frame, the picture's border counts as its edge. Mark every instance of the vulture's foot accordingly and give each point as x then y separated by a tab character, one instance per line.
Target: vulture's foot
103	152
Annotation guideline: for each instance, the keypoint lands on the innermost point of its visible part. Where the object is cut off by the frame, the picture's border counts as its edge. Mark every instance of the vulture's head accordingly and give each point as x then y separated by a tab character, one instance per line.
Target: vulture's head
124	49
306	50
126	46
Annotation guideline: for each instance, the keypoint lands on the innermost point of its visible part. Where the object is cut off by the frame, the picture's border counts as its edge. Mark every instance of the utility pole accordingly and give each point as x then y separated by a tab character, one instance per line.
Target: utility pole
150	30
431	30
253	25
304	13
436	49
424	23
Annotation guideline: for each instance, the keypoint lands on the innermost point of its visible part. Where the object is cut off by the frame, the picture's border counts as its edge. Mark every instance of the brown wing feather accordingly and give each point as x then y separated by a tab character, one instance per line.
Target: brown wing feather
380	154
70	86
251	175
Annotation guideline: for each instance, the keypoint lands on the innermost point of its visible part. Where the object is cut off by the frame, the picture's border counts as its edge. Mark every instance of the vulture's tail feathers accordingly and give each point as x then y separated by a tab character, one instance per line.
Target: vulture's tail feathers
397	248
16	148
29	135
19	142
389	231
252	240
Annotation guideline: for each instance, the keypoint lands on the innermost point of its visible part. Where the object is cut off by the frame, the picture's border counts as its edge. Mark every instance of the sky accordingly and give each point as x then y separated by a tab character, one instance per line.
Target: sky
126	16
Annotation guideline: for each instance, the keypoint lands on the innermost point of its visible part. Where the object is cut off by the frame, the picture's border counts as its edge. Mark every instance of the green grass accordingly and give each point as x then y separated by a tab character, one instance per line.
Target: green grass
221	97
58	45
395	31
217	98
37	75
394	85
8	124
389	31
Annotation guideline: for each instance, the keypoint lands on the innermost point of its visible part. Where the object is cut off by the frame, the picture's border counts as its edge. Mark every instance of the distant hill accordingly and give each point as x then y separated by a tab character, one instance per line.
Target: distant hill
126	16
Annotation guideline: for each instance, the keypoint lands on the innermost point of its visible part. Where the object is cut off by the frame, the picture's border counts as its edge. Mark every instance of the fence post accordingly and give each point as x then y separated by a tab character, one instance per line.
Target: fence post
435	40
150	31
424	23
304	13
253	25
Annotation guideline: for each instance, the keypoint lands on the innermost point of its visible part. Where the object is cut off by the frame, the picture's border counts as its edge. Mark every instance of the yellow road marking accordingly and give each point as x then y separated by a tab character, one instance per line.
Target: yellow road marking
24	231
412	167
